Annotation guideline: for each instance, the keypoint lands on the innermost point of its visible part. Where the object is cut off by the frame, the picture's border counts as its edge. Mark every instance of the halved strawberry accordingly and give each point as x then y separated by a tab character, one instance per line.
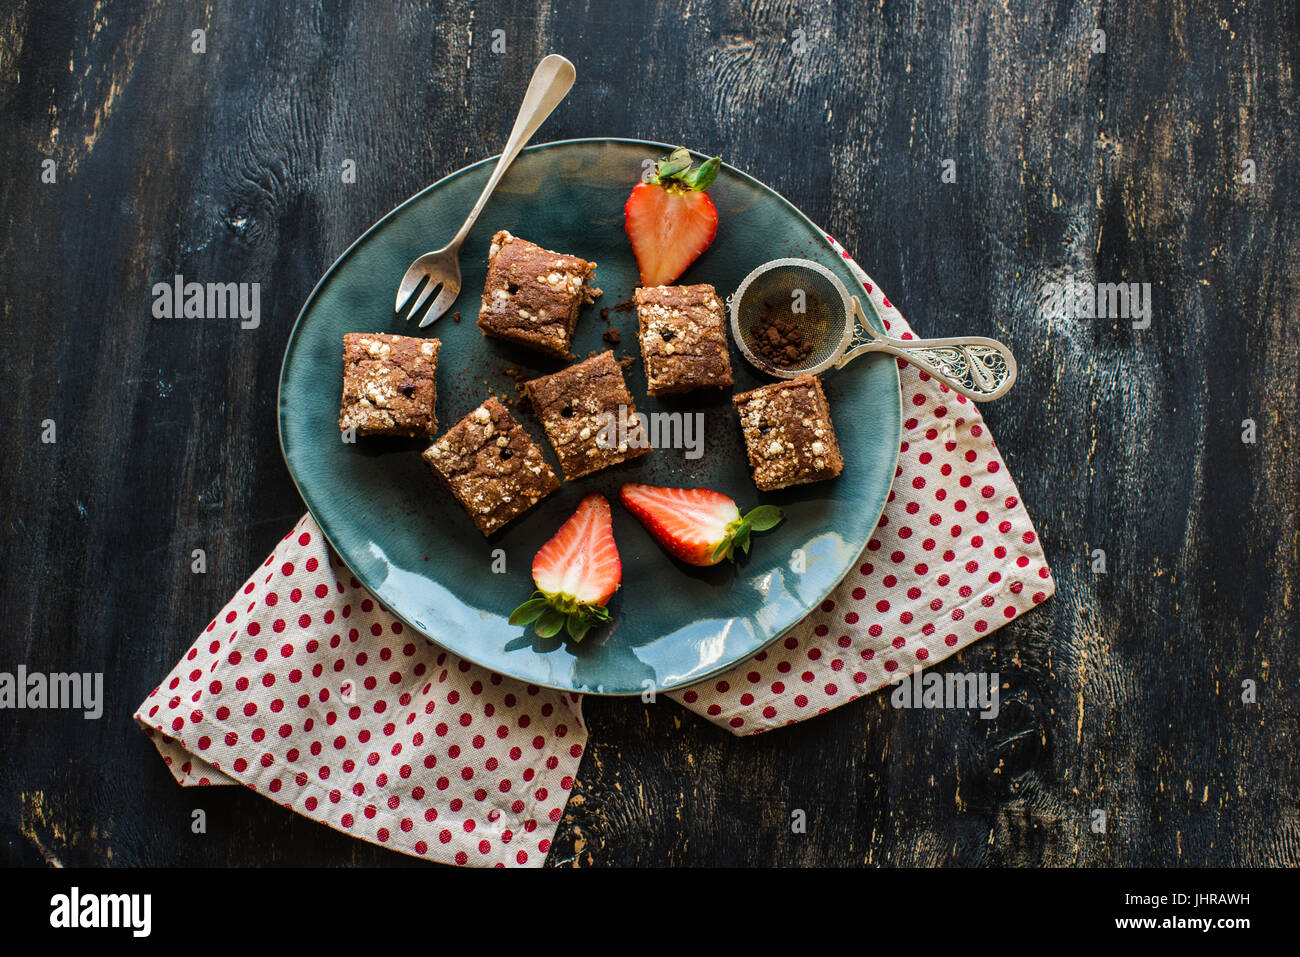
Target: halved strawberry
576	572
669	218
698	525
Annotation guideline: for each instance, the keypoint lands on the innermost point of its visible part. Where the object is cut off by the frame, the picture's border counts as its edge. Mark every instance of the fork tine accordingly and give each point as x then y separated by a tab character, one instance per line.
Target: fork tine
425	302
407	295
440	305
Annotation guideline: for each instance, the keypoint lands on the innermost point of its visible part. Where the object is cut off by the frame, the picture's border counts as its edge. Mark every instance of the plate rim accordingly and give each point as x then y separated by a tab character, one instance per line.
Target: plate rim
302	311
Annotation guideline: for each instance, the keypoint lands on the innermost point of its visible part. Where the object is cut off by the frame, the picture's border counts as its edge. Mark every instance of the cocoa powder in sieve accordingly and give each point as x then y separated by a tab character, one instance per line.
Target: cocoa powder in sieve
778	338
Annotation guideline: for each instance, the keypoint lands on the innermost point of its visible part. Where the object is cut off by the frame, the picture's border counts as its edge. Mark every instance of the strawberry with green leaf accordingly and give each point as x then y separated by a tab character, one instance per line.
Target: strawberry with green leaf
697	525
576	573
669	217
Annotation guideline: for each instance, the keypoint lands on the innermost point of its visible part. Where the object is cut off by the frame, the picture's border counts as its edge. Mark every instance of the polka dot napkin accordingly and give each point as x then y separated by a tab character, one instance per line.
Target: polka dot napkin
954	557
306	690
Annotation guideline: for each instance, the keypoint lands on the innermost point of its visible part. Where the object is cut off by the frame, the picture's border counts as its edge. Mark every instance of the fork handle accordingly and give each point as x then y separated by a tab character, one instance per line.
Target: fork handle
551	81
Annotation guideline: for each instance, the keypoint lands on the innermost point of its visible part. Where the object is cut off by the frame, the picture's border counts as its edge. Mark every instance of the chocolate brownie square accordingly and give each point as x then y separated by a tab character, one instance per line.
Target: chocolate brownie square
683	338
389	385
788	433
588	415
532	295
492	466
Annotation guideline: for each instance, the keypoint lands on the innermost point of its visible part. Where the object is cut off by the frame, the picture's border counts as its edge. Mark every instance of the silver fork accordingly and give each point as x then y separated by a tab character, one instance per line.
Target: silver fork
432	282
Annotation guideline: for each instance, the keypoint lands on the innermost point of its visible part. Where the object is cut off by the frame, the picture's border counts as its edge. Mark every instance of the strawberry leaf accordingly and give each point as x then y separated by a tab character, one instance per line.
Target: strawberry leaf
703	177
679	161
549	623
675	169
764	517
738	532
741	539
530	610
577	624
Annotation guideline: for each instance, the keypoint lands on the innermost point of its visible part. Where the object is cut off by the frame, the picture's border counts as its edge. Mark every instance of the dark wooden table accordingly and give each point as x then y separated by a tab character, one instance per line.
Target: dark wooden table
1124	691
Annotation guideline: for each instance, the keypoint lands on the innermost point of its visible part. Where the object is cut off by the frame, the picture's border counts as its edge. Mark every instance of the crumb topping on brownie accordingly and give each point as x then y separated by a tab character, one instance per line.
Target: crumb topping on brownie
492	466
532	295
788	433
683	338
588	415
389	385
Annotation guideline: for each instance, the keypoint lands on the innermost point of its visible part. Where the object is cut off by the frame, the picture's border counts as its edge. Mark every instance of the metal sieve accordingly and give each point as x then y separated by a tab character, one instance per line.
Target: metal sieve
793	317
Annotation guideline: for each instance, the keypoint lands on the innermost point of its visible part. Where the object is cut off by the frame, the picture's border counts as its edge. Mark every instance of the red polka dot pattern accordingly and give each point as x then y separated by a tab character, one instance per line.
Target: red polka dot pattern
337	712
954	558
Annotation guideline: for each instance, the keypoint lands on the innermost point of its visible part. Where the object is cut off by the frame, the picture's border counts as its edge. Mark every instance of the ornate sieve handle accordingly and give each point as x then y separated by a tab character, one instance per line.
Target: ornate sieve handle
978	368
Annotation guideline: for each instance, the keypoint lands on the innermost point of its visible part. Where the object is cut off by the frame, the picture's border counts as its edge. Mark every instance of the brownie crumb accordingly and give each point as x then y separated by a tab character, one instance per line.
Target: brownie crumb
627	305
625	363
455	317
522	402
520	376
604	313
778	338
612	336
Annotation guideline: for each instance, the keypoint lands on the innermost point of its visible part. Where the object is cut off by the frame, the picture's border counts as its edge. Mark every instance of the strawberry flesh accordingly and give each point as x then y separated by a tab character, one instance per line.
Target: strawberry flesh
668	229
697	525
581	561
576	573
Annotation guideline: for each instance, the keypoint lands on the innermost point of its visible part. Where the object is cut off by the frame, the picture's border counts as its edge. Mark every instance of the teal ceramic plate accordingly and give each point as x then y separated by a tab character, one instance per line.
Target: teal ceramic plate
409	542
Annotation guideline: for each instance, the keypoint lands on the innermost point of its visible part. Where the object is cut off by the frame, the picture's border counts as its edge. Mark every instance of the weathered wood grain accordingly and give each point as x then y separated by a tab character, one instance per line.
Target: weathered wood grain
1123	693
